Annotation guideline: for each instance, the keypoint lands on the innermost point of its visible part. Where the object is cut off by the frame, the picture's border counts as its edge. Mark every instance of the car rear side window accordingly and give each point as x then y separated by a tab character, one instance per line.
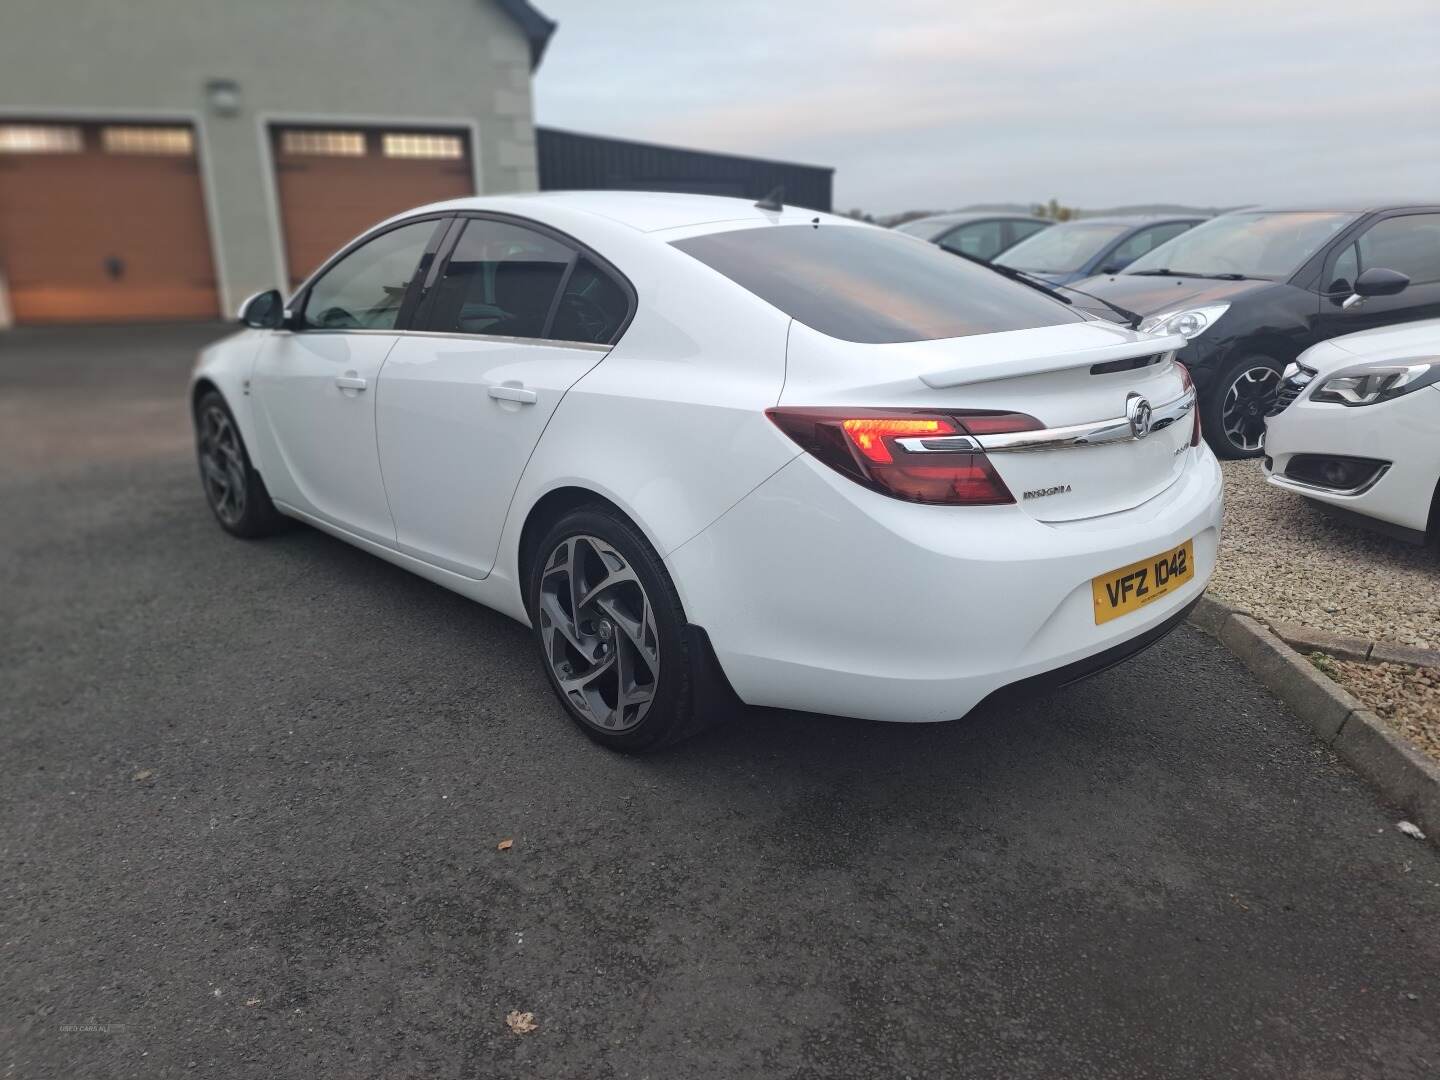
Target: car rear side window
500	281
872	285
592	308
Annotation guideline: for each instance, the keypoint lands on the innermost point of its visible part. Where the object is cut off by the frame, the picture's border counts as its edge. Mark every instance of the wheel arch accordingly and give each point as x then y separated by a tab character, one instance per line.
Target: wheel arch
202	386
550	508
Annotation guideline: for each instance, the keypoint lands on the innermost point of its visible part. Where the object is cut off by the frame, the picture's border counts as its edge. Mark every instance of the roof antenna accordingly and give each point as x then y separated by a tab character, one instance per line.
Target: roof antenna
773	201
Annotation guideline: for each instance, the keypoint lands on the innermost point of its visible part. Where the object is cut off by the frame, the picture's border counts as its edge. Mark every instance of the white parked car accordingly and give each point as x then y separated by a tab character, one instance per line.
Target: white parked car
1356	424
700	446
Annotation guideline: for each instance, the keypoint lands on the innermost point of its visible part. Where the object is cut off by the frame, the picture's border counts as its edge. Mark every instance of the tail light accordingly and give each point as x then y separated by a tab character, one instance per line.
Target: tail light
1189	384
912	454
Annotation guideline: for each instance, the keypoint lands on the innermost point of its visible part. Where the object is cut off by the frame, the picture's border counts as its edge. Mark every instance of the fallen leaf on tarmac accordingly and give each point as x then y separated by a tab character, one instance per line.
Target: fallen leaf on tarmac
521	1023
252	1002
504	845
143	775
1410	829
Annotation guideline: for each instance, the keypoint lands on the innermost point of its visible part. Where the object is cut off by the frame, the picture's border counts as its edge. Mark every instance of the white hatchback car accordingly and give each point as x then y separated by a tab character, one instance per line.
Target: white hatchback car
705	446
1356	424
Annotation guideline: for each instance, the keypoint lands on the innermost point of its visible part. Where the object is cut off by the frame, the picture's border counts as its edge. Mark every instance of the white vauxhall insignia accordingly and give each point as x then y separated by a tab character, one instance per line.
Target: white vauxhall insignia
709	449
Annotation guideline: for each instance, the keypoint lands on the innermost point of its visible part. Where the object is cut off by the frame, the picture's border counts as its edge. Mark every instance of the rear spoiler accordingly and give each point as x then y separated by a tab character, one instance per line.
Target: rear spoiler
1038	365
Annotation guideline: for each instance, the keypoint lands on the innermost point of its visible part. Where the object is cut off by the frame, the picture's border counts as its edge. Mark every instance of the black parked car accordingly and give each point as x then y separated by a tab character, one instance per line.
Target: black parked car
1100	245
1254	288
977	236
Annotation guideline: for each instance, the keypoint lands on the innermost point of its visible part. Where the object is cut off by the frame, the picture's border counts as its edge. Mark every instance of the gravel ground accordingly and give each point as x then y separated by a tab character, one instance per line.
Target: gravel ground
1286	558
1406	698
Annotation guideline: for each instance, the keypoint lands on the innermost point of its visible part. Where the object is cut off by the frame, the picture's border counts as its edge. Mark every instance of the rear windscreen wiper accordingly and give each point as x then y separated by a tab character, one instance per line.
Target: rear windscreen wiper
1020	276
1134	317
1040	286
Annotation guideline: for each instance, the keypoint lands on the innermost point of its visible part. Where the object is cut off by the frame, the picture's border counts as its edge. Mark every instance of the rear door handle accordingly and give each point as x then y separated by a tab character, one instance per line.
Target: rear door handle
349	382
514	393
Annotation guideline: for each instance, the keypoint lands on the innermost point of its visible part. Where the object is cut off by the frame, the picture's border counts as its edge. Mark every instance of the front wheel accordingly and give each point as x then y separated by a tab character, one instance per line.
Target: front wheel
1235	408
233	488
611	632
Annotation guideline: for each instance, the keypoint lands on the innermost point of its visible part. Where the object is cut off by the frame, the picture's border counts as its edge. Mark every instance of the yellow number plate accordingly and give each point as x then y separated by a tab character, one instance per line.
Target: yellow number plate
1132	587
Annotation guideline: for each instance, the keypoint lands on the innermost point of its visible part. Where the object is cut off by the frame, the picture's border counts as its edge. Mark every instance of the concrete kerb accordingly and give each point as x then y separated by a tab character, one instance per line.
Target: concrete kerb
1404	775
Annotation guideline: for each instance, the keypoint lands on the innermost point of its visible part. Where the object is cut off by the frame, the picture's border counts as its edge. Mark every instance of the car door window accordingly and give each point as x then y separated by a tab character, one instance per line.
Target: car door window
593	308
1023	230
1347	269
500	281
1409	244
364	290
979	240
1144	242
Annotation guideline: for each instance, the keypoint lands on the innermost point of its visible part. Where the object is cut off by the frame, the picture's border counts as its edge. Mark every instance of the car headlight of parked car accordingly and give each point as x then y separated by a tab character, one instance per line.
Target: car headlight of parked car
1187	322
1374	383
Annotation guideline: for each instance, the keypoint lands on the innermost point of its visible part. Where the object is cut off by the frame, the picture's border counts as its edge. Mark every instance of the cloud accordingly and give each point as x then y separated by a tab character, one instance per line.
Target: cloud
922	103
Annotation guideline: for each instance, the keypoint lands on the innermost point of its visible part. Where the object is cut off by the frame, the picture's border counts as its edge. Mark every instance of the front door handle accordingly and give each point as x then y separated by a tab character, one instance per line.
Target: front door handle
349	382
514	393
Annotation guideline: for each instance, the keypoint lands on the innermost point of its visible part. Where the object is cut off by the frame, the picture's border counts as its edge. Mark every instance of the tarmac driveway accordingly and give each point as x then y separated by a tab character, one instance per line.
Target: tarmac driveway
250	797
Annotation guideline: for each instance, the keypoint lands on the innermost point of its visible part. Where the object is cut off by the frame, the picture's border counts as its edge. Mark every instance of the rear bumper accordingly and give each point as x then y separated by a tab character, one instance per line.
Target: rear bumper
823	596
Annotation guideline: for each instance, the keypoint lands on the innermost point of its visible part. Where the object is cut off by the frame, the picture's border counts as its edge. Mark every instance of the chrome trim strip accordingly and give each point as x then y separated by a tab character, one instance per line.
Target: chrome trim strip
553	343
1095	433
1302	486
942	444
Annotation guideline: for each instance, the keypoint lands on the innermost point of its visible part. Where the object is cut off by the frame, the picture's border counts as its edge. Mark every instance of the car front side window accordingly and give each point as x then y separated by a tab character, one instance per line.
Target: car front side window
365	288
1409	244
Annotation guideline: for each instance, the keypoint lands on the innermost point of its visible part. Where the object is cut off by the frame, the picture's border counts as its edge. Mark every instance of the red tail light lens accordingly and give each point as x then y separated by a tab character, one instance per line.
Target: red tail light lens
866	445
1189	384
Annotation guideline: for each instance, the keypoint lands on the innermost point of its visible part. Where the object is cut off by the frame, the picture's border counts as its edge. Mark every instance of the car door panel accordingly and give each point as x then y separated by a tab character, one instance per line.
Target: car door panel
321	433
313	384
457	419
513	317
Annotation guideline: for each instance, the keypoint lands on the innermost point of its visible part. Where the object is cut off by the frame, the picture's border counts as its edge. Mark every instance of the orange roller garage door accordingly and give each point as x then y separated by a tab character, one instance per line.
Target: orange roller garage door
335	183
103	222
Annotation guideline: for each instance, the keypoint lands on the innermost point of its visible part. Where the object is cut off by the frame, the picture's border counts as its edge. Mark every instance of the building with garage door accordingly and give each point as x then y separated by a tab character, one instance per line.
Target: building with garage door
163	159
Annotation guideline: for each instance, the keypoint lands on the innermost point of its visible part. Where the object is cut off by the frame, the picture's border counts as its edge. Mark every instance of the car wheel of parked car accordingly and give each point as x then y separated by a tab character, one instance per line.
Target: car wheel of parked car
234	490
1235	409
612	632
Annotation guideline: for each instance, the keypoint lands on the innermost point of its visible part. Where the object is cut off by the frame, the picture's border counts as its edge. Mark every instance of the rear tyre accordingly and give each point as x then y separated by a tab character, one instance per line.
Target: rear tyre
1233	411
233	488
612	633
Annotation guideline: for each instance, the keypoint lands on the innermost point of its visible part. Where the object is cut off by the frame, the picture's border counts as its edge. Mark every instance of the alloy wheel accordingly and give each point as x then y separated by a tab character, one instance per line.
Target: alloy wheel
222	465
1247	400
597	629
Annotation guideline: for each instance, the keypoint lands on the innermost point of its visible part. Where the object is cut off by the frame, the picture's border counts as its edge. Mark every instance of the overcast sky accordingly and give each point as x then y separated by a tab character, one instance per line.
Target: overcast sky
941	103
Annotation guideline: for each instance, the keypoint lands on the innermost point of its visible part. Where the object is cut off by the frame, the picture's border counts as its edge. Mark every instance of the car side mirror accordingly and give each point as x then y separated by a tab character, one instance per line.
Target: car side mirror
264	310
1377	281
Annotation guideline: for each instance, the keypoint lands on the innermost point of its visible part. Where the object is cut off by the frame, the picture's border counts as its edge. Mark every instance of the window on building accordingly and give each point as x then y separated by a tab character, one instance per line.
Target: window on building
411	145
323	143
40	139
148	140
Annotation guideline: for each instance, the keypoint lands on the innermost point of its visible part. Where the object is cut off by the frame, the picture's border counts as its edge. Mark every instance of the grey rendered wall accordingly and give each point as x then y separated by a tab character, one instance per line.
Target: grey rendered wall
456	63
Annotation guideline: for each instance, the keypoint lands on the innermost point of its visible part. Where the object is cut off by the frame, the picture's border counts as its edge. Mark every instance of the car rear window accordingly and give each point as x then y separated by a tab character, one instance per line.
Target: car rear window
871	285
